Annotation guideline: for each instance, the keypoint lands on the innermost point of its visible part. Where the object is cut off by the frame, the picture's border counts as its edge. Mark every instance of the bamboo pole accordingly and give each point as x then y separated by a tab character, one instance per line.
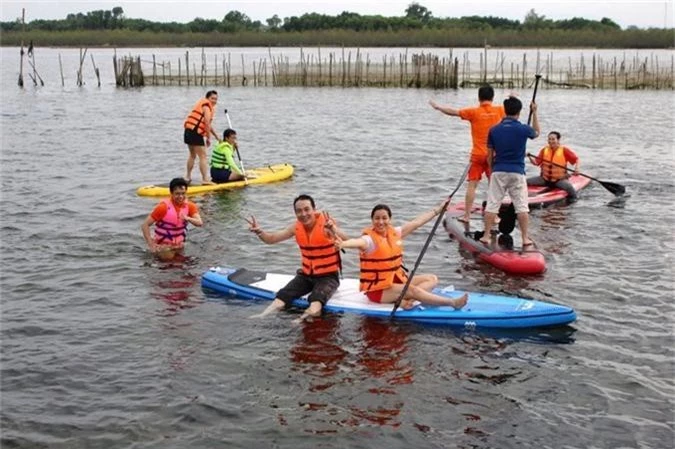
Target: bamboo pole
96	71
187	67
63	81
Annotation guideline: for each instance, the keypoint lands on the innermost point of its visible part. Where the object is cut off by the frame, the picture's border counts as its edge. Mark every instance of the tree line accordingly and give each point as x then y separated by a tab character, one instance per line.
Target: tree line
416	17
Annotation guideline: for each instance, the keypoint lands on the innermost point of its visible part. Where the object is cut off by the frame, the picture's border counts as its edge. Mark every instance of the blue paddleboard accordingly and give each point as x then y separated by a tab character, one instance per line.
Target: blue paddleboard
483	310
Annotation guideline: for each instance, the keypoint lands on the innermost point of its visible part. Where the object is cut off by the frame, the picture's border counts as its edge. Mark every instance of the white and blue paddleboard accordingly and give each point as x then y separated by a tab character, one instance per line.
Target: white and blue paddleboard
483	310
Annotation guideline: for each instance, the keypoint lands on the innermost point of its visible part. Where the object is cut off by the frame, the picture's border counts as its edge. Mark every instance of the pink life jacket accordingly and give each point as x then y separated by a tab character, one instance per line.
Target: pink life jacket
171	230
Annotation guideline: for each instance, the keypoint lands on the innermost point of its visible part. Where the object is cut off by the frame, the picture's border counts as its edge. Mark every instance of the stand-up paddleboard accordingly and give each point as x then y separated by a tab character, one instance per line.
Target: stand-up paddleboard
541	196
483	310
503	252
262	175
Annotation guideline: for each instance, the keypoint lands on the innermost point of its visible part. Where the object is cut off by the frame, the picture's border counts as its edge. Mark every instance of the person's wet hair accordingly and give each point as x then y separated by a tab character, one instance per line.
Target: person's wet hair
380	207
177	182
211	92
512	106
305	198
556	134
486	93
228	132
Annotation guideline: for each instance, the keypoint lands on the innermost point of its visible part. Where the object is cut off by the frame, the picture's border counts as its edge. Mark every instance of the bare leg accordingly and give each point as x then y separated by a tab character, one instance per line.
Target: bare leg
313	311
276	306
489	222
190	162
416	293
203	165
468	199
523	222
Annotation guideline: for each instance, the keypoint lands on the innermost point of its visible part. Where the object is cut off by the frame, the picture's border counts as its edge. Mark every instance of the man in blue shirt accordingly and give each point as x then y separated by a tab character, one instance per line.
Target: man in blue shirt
506	155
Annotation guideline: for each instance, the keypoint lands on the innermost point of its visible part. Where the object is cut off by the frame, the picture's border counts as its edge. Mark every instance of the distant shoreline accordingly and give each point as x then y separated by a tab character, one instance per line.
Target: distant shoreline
619	39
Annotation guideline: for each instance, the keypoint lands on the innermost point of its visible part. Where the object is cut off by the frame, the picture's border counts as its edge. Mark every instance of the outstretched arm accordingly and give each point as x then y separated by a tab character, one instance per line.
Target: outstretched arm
270	237
447	110
358	243
422	219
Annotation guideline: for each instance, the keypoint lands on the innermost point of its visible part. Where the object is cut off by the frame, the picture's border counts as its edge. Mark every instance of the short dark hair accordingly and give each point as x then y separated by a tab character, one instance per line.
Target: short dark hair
486	93
512	106
211	92
555	133
380	207
304	197
228	132
177	182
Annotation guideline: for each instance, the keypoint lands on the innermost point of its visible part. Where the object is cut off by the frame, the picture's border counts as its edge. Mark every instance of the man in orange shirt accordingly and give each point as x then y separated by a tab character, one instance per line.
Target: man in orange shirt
482	118
171	217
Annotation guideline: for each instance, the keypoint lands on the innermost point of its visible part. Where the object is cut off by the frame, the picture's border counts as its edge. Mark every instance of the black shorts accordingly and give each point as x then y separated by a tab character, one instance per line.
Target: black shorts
220	175
193	138
320	288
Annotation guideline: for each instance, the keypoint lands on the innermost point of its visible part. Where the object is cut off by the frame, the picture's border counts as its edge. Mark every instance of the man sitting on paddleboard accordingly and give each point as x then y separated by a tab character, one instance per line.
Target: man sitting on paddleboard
171	217
223	167
553	160
314	233
382	276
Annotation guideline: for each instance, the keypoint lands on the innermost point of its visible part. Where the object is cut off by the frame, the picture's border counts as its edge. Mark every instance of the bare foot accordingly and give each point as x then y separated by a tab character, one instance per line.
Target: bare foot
484	242
464	219
257	315
527	243
407	304
461	301
208	183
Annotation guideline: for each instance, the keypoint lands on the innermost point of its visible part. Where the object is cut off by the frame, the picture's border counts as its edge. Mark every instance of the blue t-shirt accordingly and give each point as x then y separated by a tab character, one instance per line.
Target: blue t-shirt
507	140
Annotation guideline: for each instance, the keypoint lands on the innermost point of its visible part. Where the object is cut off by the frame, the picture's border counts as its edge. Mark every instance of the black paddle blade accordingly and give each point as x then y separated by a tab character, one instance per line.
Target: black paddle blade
616	189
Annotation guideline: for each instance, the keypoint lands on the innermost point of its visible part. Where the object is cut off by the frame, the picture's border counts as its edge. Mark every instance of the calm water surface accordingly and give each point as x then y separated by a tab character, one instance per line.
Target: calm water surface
104	347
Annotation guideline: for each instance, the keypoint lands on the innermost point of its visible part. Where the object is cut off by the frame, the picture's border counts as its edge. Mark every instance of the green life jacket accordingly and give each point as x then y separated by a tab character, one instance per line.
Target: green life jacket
219	155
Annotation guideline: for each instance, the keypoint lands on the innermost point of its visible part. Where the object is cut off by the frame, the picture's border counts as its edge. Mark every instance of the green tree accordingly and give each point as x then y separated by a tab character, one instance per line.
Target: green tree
274	22
419	12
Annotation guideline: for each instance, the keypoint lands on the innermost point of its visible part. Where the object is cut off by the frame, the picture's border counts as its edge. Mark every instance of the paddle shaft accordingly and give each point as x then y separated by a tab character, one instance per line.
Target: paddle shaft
426	244
616	189
229	125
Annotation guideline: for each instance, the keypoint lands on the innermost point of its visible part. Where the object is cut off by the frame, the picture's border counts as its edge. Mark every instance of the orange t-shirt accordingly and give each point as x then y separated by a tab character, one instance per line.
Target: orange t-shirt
160	210
482	118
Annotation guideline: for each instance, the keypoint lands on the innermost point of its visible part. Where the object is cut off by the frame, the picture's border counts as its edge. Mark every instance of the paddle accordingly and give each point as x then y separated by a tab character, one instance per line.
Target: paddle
426	244
616	189
229	125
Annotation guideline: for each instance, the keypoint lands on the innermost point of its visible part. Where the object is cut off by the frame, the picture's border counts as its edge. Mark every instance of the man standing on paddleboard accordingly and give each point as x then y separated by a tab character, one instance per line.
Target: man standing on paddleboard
314	232
482	118
171	217
506	156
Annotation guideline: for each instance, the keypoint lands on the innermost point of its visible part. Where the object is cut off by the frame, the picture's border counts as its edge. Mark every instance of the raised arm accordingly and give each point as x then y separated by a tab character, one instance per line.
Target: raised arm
422	219
447	110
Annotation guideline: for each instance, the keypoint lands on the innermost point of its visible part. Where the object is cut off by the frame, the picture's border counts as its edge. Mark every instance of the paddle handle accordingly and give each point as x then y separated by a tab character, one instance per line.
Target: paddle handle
426	244
537	77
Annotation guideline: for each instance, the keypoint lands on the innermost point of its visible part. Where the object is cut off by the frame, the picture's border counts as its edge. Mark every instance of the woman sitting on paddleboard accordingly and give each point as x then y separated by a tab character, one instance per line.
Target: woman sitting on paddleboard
382	276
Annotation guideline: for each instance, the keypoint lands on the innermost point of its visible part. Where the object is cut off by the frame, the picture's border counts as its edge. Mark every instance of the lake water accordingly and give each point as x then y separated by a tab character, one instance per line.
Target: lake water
105	347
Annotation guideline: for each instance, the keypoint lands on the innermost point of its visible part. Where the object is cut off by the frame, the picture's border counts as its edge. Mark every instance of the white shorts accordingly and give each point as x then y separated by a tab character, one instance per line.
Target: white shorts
513	184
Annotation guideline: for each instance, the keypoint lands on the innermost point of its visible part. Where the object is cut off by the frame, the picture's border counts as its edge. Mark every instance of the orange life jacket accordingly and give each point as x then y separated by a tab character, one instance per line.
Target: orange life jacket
552	172
195	119
379	267
319	255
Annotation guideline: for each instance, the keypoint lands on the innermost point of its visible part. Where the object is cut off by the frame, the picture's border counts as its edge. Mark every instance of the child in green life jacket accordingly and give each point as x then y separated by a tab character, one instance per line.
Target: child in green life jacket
223	167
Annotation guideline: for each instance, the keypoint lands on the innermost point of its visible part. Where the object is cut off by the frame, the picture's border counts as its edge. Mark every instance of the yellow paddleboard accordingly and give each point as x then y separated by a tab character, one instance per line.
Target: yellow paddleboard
262	175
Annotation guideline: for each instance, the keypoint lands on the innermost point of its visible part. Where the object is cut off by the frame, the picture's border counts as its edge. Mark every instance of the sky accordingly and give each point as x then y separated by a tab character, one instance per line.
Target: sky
640	13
